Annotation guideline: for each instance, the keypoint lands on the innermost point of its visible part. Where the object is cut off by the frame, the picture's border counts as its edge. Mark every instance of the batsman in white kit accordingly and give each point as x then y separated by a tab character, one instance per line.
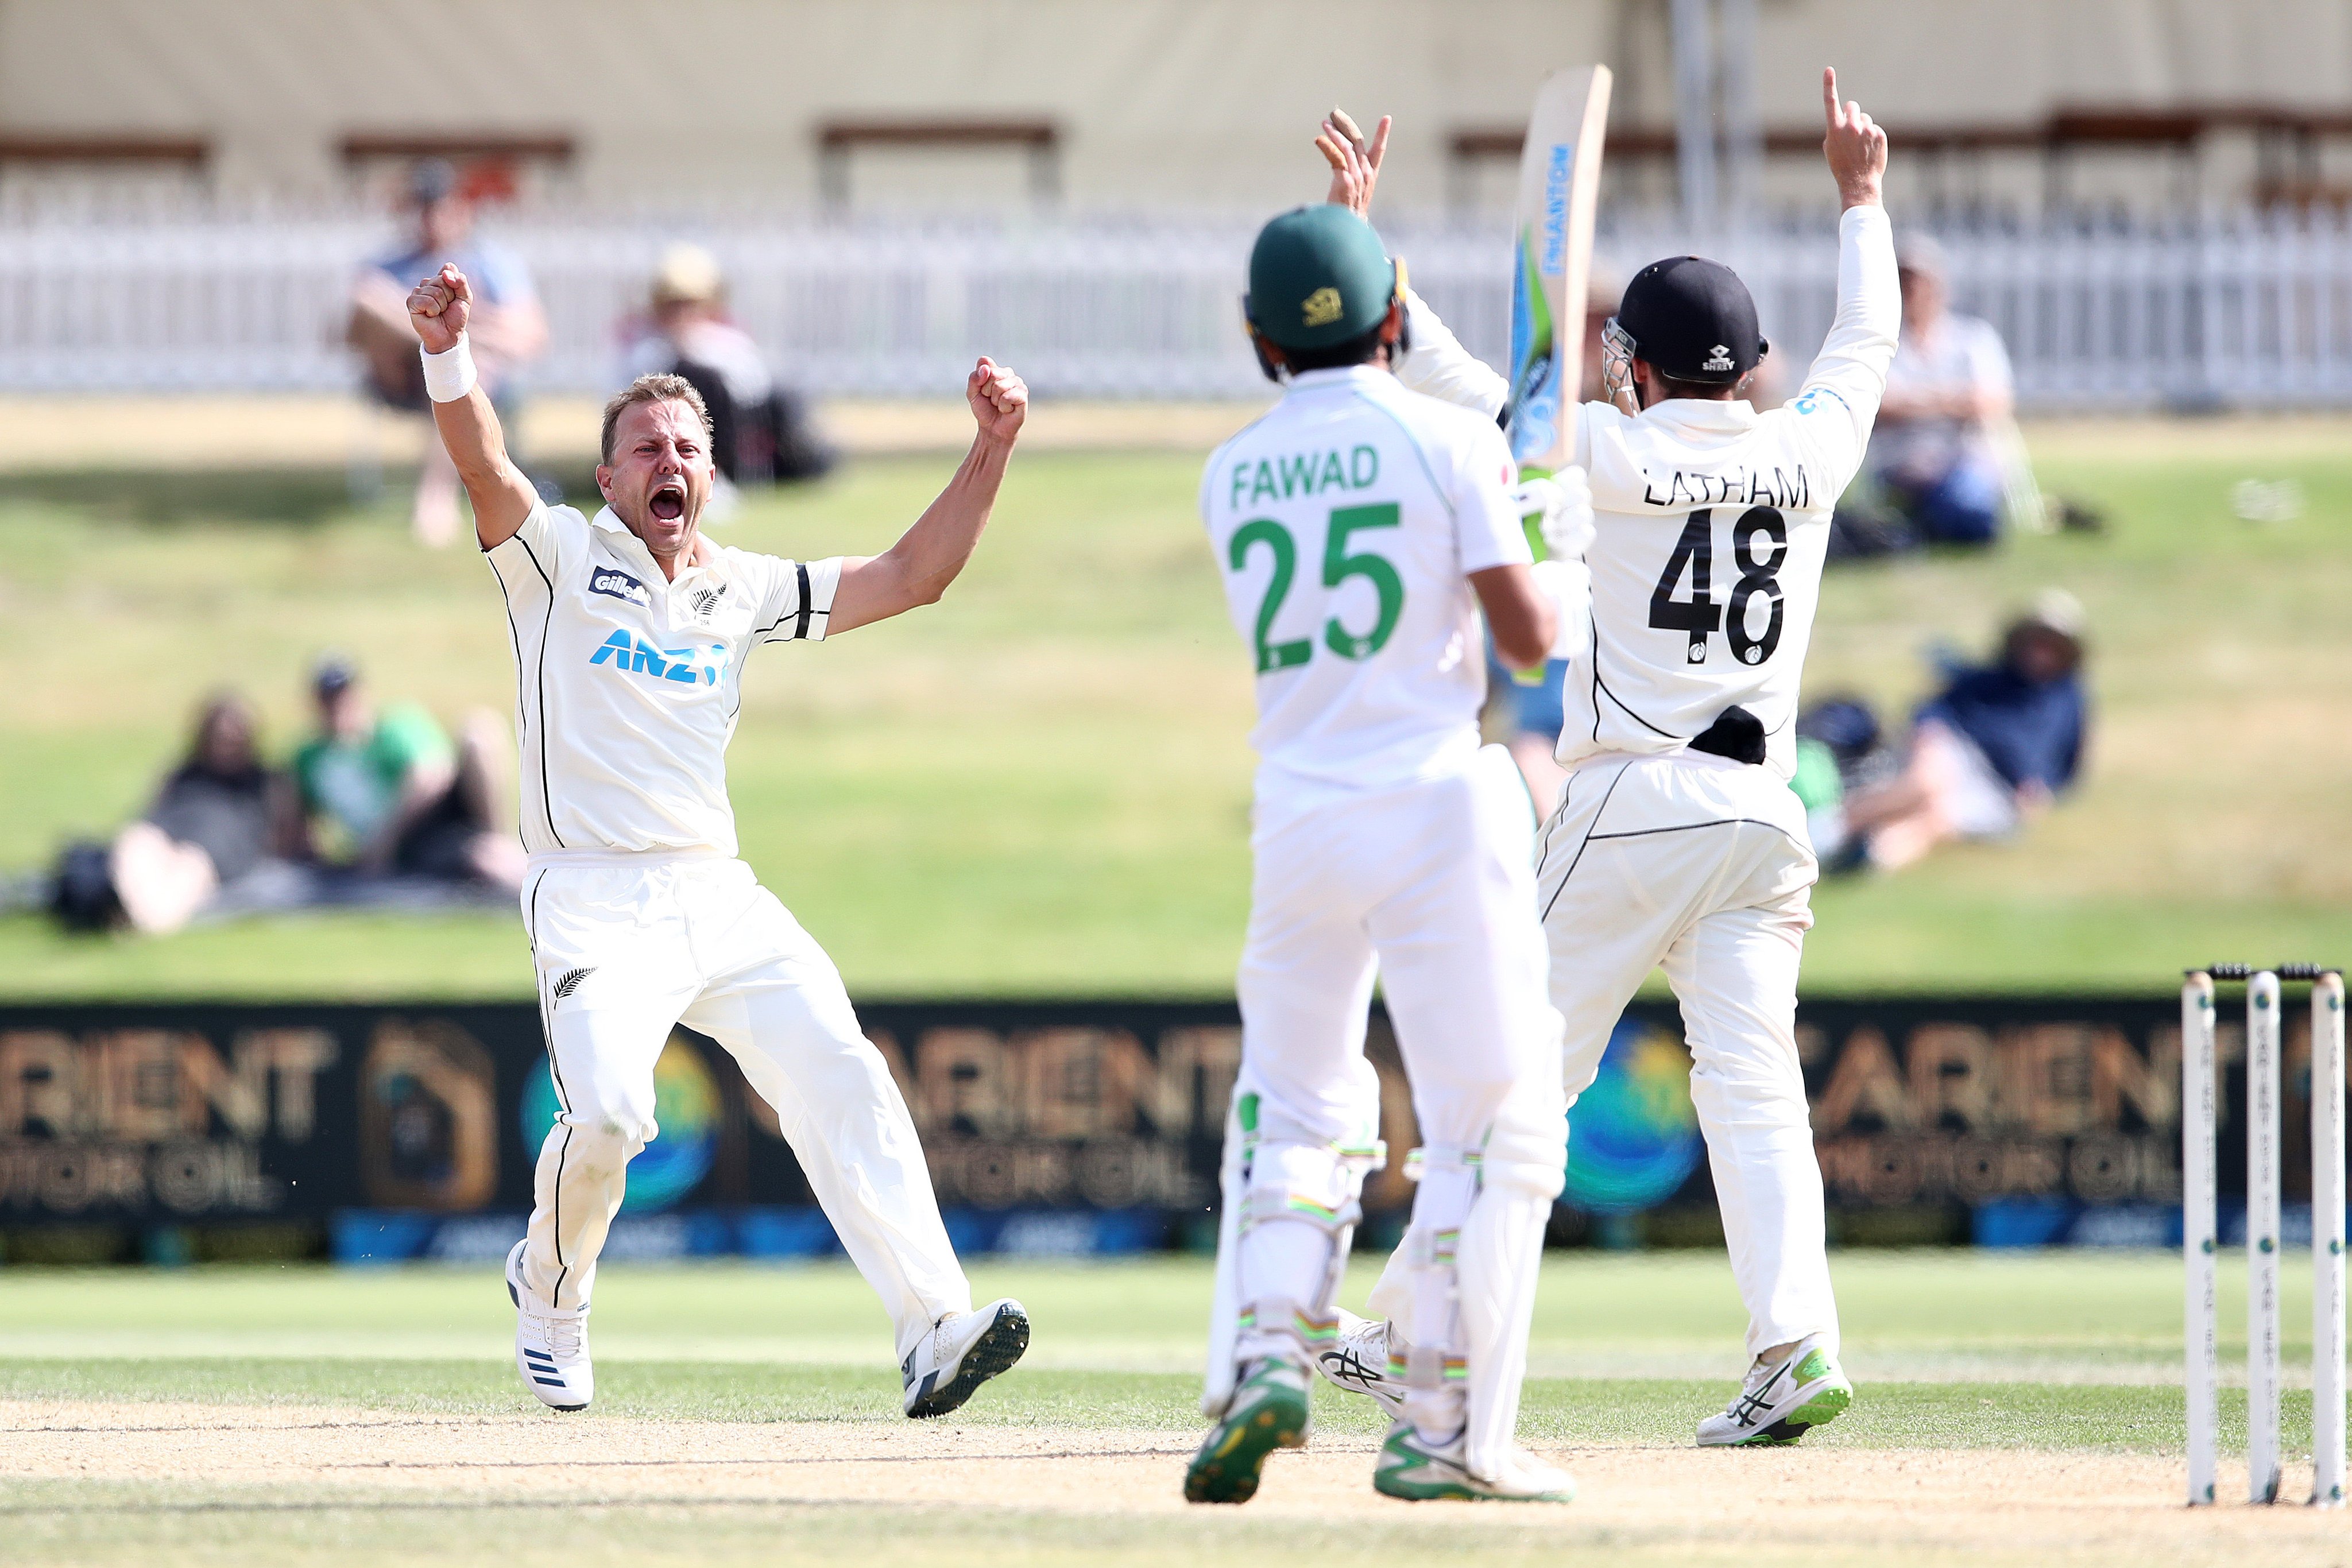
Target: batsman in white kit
1359	528
630	632
1677	842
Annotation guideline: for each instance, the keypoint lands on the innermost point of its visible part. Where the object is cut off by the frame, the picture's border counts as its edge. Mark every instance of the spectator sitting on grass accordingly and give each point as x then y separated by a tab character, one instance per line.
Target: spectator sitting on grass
1991	750
761	430
509	328
222	826
394	796
1931	453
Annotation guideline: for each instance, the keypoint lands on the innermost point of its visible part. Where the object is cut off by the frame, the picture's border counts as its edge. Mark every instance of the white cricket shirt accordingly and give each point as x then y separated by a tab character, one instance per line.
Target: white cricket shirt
1345	523
628	684
1710	523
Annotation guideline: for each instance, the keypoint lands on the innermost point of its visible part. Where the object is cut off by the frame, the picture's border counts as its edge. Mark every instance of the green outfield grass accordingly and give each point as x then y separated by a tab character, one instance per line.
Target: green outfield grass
2066	1354
1911	1316
1042	786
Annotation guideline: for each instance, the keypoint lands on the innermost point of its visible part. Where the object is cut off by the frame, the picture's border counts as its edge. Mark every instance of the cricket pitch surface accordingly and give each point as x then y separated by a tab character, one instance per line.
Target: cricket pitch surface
467	1480
2010	1411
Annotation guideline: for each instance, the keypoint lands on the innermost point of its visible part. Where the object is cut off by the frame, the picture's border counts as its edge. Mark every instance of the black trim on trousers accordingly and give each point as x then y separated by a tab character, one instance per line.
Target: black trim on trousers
1622	769
1715	822
547	1035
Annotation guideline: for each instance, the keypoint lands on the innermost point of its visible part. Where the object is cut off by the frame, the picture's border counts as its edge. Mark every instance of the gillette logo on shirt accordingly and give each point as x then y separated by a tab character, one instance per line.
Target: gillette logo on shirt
615	583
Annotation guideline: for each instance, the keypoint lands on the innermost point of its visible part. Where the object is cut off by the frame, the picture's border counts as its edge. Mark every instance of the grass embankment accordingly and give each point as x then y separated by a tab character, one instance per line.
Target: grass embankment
1042	786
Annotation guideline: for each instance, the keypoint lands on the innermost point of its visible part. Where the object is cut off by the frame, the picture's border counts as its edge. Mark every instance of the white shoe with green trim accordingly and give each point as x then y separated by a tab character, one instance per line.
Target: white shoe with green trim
1269	1411
1782	1398
1412	1467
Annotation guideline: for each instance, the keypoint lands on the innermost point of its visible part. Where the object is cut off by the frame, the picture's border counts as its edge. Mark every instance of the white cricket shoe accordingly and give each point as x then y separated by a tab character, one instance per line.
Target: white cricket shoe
1358	1362
1412	1467
962	1351
550	1347
1782	1398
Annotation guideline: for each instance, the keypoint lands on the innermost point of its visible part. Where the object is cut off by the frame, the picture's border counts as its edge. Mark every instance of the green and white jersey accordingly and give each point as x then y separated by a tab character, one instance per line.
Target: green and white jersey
1345	524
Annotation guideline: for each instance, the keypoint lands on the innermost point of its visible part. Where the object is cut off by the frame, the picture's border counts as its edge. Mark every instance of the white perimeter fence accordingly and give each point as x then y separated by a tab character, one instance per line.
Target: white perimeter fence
2250	312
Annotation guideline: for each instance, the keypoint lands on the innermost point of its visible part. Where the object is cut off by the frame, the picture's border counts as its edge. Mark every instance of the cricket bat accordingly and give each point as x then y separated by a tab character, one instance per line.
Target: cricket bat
1559	190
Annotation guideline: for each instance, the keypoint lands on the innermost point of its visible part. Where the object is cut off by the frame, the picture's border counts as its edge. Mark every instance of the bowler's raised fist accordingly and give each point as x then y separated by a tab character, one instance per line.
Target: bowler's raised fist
999	399
439	308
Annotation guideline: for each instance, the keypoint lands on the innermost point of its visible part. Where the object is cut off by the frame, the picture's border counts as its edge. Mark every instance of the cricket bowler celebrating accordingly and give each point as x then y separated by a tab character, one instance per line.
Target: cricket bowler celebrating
1359	528
1677	841
630	632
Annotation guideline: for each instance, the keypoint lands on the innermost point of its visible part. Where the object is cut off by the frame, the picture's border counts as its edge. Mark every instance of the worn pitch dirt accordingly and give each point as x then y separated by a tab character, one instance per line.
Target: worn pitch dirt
1997	1505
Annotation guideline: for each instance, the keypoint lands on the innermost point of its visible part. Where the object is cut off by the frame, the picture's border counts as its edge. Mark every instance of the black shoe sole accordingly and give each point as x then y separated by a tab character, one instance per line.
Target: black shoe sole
1000	1344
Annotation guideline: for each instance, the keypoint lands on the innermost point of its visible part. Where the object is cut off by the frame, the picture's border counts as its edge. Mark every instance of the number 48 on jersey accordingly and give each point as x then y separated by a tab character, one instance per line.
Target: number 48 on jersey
1699	616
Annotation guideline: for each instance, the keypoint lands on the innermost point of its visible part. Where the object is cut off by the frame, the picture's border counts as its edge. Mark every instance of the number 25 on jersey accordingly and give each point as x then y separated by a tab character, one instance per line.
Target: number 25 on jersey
1339	565
1699	616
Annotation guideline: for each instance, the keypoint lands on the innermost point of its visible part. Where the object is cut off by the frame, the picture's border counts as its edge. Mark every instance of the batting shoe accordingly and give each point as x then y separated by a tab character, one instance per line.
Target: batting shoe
1412	1467
1269	1411
1357	1363
962	1351
1782	1398
550	1347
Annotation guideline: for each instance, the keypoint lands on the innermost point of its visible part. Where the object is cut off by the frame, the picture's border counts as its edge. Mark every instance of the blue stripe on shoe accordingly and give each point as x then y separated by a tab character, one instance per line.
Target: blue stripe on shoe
549	1382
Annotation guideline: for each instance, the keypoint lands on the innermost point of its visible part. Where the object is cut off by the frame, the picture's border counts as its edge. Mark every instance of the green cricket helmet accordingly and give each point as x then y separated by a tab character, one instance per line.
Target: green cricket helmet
1318	276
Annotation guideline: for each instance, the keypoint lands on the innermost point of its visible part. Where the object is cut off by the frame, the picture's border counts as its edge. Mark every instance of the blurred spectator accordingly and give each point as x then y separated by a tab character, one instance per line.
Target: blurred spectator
762	432
508	329
1933	454
1990	751
223	829
395	798
1840	752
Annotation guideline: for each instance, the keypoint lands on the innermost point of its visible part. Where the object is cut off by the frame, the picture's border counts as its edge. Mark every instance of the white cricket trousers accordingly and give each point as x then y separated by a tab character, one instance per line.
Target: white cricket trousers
628	946
1428	888
1701	865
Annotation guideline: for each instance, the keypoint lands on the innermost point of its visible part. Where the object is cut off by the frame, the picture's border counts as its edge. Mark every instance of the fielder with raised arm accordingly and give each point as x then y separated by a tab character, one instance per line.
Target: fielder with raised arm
630	632
1677	841
1359	528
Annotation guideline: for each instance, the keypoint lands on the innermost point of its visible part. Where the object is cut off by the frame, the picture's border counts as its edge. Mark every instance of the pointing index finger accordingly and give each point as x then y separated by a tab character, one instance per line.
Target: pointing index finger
1830	96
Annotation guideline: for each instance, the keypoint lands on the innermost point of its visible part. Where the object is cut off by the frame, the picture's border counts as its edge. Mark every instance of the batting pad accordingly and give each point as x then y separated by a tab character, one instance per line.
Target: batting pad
1498	1256
1287	1215
1430	1357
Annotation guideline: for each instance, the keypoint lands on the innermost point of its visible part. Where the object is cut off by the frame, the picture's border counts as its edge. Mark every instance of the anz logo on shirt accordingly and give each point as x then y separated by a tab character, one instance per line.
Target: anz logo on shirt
693	666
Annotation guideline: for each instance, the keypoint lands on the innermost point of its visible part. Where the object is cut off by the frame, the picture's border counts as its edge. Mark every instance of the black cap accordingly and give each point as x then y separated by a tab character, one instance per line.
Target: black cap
1693	319
333	676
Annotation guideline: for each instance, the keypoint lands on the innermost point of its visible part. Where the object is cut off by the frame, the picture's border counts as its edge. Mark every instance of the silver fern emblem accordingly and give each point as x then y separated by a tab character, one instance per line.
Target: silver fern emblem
706	602
569	981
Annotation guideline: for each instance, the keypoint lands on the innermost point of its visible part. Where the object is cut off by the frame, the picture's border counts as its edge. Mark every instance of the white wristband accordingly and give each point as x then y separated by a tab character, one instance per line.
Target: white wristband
448	376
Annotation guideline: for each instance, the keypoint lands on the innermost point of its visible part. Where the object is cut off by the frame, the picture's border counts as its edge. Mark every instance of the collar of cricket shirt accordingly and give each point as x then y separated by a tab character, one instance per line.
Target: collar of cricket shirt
1700	414
624	542
1334	376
